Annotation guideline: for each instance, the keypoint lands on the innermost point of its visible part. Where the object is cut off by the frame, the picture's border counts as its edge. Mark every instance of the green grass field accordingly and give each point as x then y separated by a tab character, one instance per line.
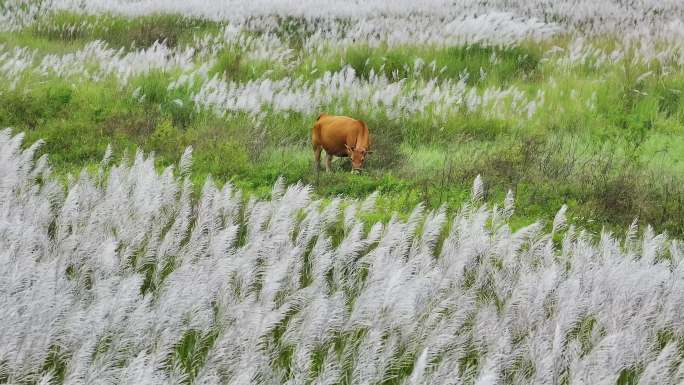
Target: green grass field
111	272
608	140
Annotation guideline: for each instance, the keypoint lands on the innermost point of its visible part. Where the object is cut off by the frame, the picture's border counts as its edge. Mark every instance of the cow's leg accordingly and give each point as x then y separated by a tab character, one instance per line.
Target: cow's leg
317	158
328	162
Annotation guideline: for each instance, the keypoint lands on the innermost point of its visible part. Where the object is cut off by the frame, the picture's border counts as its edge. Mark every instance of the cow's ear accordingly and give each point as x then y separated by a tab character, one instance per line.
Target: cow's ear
369	152
348	148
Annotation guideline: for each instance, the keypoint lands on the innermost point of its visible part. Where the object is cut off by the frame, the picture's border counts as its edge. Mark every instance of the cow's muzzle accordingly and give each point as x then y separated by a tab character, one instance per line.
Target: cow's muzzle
356	171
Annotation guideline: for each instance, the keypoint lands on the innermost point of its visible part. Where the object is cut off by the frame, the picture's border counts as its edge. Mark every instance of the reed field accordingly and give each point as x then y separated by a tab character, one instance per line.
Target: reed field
518	222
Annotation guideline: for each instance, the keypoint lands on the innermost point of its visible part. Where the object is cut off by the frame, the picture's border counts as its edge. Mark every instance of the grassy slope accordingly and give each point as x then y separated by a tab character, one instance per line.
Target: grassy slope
612	164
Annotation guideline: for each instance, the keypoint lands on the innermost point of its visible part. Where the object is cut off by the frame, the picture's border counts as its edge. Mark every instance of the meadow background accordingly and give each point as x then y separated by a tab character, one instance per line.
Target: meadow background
566	103
147	234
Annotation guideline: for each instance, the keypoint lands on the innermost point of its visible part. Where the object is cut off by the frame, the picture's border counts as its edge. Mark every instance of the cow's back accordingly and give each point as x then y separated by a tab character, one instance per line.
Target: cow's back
334	132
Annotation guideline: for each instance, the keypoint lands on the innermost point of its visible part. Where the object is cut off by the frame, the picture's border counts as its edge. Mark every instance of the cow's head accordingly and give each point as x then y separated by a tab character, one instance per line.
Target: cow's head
357	156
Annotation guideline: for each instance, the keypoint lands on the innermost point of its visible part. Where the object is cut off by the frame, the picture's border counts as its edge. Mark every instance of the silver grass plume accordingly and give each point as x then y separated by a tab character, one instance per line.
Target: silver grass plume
125	277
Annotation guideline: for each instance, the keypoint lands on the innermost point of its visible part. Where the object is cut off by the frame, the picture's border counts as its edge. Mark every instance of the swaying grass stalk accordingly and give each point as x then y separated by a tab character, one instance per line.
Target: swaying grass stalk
125	277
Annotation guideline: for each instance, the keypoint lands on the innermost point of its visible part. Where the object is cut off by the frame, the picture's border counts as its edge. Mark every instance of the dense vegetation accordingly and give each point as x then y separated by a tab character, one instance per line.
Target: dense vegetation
125	278
564	124
182	257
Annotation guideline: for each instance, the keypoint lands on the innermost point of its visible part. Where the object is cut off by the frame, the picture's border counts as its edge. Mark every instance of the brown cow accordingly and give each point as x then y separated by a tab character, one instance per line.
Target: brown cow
340	136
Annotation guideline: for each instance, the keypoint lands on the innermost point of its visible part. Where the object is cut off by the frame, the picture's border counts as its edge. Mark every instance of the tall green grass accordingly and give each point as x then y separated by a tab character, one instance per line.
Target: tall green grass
122	32
613	159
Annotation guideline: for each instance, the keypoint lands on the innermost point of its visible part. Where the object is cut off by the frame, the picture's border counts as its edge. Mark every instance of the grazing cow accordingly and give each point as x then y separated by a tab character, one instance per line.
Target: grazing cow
340	136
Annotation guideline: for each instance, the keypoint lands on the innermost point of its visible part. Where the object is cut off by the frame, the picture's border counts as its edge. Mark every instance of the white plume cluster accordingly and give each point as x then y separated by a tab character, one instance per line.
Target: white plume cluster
393	97
427	21
646	32
582	15
396	99
94	62
126	277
